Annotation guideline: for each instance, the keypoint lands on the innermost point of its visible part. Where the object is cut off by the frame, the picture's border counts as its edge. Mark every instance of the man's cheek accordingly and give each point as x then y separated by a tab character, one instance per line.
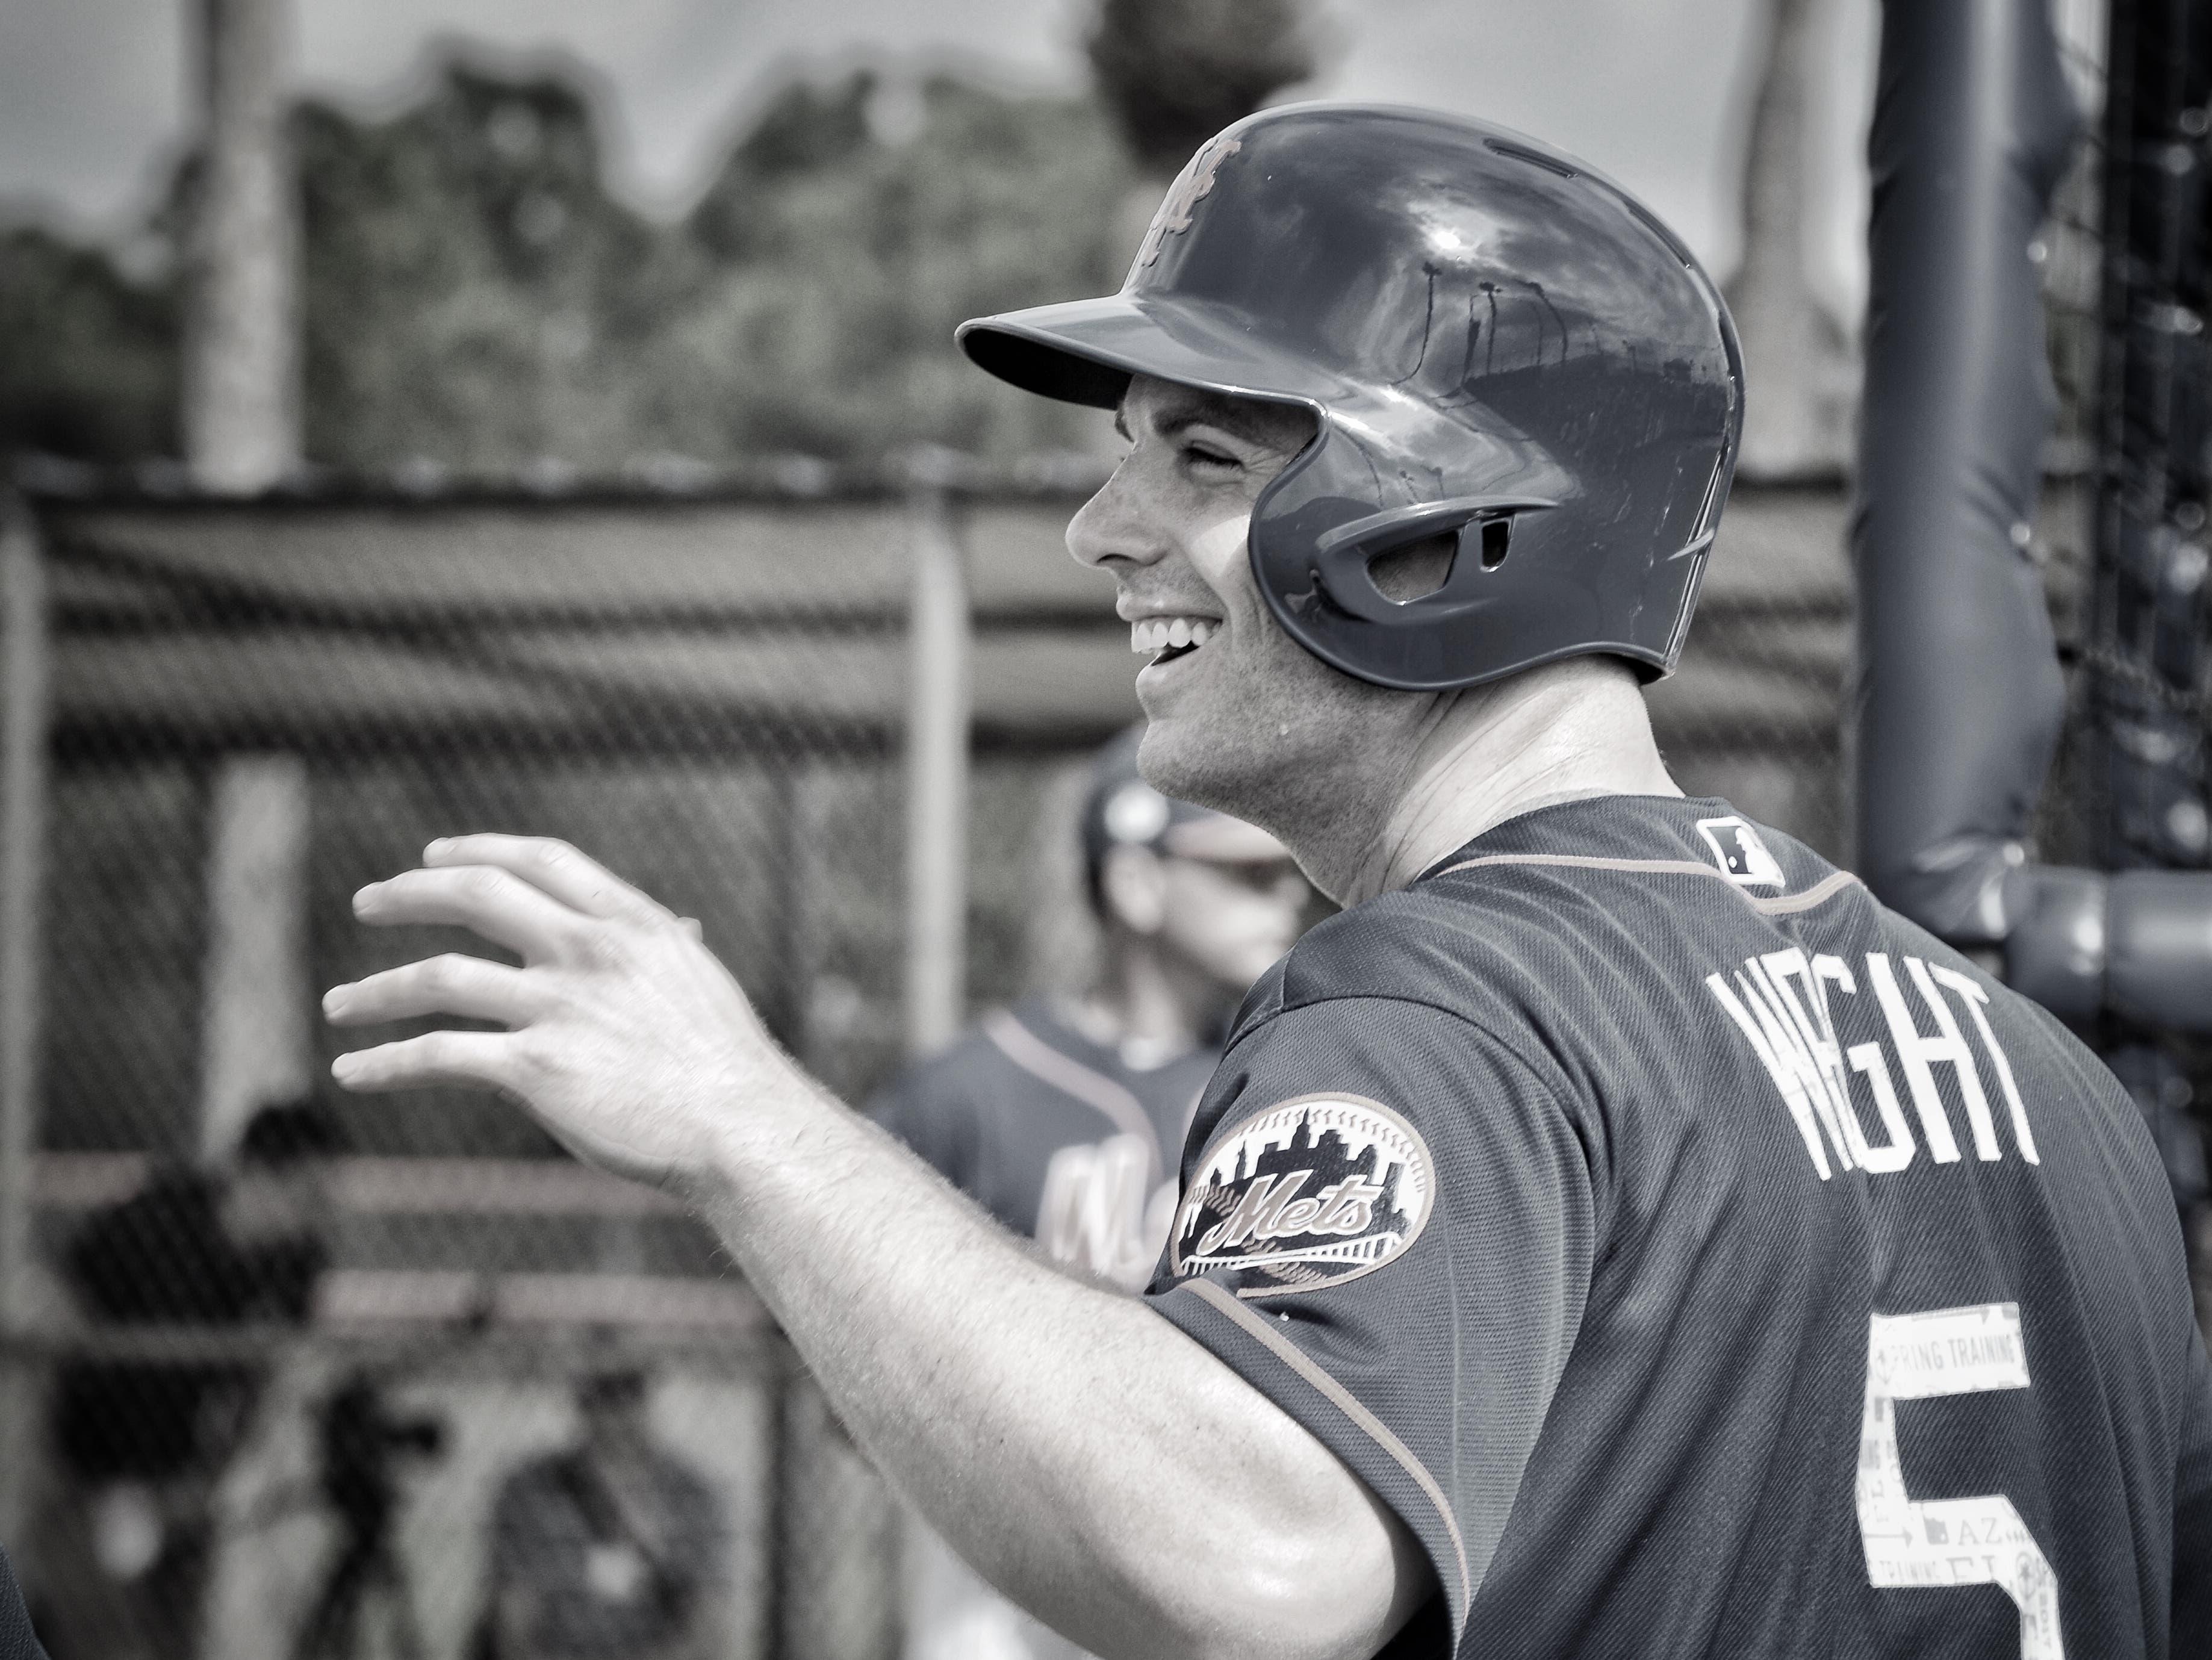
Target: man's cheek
1220	553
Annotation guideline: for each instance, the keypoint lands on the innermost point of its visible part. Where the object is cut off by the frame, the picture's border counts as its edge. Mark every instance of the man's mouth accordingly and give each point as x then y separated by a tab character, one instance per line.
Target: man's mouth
1170	637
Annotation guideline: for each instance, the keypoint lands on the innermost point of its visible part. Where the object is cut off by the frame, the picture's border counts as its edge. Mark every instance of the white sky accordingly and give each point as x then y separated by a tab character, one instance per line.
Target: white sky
1651	91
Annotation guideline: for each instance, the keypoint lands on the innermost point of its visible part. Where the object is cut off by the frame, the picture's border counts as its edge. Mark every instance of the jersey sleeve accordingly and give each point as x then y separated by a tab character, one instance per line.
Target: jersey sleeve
1387	1228
2192	1512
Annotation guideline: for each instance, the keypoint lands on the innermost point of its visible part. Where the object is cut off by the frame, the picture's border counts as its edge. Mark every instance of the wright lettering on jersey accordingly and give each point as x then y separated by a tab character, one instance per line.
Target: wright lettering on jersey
1803	1290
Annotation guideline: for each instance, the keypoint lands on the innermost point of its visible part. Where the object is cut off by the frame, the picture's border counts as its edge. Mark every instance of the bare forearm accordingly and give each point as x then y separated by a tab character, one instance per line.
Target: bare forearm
1078	1450
1103	1469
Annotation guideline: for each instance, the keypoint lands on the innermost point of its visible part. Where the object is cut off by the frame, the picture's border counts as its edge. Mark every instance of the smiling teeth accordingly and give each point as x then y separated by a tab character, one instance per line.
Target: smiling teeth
1166	633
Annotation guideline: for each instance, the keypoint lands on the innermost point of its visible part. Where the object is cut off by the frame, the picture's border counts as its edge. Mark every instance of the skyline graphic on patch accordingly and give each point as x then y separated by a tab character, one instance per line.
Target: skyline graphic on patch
1742	857
1311	1193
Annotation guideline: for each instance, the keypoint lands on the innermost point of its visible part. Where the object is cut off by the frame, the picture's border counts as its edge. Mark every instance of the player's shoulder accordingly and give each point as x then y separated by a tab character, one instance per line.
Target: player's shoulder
971	1055
1580	905
1002	1056
1476	966
985	1052
1477	925
970	1070
1423	944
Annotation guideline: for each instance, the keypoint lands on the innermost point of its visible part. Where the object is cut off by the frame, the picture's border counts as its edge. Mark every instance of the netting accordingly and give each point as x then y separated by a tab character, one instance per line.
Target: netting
287	1403
2126	283
2071	252
1752	714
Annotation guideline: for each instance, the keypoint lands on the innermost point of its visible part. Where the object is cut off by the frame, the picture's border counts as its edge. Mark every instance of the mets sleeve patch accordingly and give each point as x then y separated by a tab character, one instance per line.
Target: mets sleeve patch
1308	1194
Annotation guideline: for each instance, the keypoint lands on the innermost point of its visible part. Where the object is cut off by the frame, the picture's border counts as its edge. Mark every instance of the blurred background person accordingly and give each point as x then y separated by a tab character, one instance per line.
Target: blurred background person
142	1443
1065	1117
613	1548
362	1445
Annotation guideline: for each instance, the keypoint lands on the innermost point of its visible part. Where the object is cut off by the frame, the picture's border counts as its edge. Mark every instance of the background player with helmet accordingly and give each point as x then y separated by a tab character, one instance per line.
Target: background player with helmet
1558	1269
1065	1117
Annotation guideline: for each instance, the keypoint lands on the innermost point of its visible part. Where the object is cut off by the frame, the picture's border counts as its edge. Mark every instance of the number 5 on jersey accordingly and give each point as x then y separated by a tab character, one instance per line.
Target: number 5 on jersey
1980	1540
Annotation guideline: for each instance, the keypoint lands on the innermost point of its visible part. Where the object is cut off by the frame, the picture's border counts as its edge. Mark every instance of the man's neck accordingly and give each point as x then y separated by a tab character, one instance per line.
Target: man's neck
1571	730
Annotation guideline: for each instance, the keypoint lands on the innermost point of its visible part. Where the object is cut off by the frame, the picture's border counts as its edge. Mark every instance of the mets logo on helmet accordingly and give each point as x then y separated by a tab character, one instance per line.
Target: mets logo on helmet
1191	187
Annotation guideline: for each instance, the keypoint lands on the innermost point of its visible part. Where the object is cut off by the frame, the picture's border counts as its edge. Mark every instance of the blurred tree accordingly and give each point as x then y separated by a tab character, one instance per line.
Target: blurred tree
1176	72
805	131
844	261
87	356
474	298
475	301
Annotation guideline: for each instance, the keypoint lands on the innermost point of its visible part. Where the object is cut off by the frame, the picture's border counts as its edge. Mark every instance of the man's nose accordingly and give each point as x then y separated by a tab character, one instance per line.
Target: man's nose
1110	526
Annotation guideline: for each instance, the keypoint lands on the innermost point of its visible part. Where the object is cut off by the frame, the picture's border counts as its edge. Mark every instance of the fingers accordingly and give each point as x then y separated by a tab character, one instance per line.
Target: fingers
476	1059
553	867
453	984
500	906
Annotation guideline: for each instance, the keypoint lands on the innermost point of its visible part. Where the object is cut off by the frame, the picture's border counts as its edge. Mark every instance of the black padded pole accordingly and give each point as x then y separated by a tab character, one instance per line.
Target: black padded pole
1958	697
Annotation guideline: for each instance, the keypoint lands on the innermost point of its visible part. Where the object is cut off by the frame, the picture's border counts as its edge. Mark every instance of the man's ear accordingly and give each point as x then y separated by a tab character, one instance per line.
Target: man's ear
1134	882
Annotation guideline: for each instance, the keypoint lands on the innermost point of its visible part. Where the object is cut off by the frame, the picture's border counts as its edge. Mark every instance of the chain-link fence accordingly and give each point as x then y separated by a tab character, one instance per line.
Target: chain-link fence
297	1355
2124	258
394	1377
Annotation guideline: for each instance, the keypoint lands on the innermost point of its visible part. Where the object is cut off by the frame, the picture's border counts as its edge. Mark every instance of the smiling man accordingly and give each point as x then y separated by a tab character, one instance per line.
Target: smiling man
1614	1233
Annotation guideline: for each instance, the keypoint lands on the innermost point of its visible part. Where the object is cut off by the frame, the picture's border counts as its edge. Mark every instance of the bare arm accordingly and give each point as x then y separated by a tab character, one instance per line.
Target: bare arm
1099	1467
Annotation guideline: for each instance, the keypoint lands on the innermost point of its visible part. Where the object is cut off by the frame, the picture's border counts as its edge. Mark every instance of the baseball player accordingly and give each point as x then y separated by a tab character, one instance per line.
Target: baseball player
1614	1233
1065	1117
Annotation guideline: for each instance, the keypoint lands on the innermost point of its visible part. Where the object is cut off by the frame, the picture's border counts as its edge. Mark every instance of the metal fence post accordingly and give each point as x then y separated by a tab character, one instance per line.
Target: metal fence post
23	837
256	1040
939	643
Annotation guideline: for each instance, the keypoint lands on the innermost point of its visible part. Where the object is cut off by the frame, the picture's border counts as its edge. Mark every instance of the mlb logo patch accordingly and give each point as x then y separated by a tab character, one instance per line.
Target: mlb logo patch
1742	857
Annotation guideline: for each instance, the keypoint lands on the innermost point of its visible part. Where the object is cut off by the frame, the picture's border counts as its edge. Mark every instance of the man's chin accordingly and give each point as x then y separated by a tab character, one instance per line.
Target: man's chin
1193	759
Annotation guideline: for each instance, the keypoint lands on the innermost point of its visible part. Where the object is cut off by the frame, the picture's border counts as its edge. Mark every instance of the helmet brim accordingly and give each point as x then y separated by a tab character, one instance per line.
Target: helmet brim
1085	351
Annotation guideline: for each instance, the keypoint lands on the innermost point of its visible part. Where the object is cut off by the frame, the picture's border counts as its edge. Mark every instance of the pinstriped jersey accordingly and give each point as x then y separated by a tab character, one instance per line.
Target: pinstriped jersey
1701	1260
1057	1136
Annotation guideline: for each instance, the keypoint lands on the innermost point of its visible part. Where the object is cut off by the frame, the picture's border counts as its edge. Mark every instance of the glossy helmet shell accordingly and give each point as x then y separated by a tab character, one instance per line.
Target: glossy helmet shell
1499	345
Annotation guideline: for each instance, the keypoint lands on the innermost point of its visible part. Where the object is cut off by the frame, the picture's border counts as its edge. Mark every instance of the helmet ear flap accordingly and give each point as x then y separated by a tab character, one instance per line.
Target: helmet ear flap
1422	569
1345	558
1416	570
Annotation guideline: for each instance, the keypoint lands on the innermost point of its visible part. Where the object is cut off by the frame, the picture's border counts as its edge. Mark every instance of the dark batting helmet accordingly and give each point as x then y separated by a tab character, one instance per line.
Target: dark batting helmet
1499	345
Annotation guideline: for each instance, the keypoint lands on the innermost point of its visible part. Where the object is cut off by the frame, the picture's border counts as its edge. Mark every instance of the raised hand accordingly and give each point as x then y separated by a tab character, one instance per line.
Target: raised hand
625	1036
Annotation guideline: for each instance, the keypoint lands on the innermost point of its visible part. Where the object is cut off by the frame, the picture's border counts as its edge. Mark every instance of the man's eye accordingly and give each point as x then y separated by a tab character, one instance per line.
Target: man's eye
1206	455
